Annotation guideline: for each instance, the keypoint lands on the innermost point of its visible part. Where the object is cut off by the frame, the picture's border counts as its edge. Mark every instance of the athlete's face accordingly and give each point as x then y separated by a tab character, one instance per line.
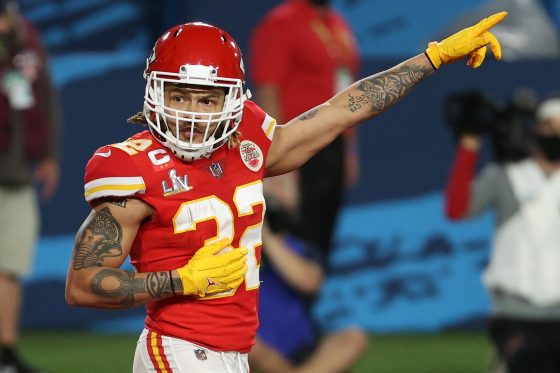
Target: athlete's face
197	99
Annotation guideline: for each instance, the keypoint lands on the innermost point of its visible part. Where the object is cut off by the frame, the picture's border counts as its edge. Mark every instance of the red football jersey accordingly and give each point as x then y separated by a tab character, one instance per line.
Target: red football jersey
194	202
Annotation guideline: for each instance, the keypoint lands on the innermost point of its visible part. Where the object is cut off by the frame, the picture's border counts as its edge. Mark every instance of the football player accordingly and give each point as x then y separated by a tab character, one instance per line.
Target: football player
184	200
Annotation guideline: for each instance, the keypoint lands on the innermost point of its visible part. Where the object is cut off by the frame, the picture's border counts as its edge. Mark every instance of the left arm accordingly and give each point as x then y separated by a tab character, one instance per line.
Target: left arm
296	142
300	139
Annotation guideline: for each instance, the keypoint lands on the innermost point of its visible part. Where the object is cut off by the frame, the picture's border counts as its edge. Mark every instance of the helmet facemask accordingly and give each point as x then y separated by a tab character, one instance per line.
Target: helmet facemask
201	132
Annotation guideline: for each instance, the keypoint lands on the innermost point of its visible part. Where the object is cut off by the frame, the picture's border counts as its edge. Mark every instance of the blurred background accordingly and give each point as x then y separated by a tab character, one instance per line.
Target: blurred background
411	271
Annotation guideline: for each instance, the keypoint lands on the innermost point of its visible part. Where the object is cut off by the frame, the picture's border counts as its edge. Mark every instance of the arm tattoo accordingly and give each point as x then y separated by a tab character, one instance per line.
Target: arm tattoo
383	90
309	114
100	239
156	284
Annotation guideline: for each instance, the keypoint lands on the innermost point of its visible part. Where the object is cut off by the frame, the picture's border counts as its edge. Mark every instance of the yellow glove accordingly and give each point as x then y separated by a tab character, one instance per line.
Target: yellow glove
209	272
470	41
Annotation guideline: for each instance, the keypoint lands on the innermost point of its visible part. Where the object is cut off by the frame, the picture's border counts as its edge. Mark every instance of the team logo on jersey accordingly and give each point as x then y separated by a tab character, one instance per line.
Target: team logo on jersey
200	354
216	170
179	184
251	155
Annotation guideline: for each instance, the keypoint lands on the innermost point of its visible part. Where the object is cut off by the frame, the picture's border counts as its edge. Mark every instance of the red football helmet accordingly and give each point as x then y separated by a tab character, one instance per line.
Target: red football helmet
202	55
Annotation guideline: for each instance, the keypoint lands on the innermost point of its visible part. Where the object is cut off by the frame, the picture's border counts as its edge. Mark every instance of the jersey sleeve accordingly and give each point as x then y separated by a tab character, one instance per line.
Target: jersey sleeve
266	123
268	126
112	173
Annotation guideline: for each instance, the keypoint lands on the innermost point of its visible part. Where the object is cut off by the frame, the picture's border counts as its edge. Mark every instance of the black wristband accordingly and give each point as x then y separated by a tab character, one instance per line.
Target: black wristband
171	281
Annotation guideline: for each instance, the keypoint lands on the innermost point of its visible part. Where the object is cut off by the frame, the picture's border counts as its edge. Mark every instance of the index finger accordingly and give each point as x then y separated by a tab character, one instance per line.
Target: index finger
493	20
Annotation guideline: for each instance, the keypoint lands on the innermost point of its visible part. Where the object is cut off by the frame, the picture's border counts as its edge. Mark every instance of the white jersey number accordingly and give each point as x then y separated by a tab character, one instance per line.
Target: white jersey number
246	197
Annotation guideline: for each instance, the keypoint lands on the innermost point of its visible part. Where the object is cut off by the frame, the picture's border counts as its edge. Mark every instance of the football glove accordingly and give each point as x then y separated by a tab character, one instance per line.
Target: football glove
470	41
209	272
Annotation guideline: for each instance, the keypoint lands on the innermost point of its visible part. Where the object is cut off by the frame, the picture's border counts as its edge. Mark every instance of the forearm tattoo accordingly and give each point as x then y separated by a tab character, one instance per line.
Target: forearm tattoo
156	284
309	114
382	90
100	239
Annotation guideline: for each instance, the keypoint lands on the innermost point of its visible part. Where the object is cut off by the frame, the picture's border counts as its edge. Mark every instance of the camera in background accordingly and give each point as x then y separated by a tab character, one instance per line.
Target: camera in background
508	125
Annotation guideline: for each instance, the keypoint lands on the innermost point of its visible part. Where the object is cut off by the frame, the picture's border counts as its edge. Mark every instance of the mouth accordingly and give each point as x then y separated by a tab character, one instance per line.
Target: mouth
197	133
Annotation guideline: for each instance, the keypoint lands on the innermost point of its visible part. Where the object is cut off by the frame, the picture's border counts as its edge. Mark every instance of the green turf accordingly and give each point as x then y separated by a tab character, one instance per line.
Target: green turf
77	352
61	352
426	353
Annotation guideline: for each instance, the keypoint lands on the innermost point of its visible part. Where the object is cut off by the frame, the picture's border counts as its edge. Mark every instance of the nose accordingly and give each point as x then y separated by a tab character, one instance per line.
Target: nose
190	111
188	106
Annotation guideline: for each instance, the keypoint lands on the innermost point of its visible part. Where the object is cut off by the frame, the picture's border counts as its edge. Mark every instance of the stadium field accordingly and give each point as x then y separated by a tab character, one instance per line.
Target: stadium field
451	352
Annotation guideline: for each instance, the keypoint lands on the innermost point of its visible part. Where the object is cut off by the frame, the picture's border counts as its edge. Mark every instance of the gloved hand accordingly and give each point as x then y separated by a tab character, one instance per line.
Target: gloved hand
210	273
470	41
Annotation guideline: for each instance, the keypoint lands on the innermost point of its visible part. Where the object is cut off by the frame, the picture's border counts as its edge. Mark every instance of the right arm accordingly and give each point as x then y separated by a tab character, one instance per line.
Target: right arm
102	244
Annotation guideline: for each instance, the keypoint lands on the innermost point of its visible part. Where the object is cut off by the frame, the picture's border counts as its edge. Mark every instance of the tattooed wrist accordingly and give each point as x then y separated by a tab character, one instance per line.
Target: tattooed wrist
122	287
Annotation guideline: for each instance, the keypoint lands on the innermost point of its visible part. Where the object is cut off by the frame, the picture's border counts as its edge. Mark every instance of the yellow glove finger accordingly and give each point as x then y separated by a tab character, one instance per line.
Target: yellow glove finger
235	278
489	22
235	285
227	258
224	263
477	57
231	266
494	45
213	248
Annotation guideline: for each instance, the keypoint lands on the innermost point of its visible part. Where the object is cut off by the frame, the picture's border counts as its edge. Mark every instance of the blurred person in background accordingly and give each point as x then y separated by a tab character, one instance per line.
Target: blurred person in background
292	273
523	188
185	200
29	135
302	53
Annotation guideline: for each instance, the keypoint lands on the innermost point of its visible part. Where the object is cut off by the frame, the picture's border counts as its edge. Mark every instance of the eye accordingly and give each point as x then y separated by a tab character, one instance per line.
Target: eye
207	101
177	98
